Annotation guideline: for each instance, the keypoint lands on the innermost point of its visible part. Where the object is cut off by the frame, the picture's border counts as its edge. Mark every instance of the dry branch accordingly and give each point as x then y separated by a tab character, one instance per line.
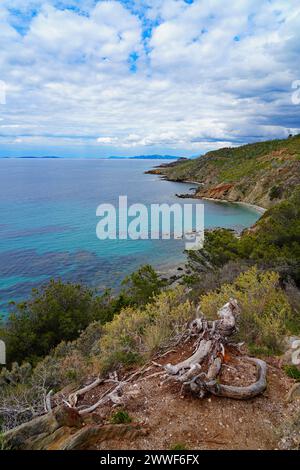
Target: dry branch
211	337
73	398
198	373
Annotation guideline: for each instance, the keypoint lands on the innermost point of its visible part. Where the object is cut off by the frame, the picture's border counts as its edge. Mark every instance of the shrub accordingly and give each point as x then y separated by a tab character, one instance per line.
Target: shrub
3	444
134	333
87	343
275	192
120	417
169	313
293	295
58	311
273	243
264	305
61	311
178	446
142	286
121	339
293	372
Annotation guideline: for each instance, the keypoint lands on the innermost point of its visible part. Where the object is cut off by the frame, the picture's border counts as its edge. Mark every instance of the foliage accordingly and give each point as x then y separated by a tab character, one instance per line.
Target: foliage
58	311
135	333
293	372
61	311
142	286
3	444
273	243
120	417
275	192
121	338
201	283
220	247
169	313
253	169
178	446
264	305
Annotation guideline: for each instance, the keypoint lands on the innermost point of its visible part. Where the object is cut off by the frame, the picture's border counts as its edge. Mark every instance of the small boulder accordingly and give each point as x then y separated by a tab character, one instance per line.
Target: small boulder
66	416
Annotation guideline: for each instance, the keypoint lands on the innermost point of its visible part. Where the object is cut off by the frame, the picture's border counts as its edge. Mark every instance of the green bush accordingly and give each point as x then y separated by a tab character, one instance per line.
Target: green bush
135	333
273	243
264	306
61	311
141	286
275	192
168	314
58	311
120	417
3	444
178	446
293	372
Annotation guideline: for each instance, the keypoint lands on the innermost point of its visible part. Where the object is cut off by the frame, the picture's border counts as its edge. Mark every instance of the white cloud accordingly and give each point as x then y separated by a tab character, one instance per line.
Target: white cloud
203	76
105	140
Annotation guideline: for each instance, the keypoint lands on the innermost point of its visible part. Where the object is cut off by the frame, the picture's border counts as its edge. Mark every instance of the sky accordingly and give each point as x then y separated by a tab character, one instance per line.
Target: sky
87	78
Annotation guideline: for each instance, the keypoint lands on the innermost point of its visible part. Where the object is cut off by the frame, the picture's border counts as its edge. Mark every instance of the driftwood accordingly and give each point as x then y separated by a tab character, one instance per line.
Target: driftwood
74	396
210	340
198	373
112	396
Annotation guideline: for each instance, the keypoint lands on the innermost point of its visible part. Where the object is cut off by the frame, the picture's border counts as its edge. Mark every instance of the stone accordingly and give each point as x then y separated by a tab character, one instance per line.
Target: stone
23	436
66	416
38	431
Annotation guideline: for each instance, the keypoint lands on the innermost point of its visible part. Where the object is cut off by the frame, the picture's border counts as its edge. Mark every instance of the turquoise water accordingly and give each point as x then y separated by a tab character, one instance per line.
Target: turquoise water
48	221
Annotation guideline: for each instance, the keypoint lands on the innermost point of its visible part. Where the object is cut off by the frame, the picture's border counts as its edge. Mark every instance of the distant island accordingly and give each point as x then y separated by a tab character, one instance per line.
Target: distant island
147	157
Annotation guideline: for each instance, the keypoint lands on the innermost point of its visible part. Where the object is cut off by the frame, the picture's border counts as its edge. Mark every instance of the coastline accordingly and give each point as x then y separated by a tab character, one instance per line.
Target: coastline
261	210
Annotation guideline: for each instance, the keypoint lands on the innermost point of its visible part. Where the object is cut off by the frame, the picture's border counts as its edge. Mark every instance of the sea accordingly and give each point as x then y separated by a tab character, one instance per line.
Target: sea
48	222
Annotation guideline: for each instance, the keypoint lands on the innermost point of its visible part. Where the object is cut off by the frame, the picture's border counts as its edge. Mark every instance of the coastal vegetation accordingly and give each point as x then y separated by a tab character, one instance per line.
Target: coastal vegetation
273	242
67	332
61	311
262	173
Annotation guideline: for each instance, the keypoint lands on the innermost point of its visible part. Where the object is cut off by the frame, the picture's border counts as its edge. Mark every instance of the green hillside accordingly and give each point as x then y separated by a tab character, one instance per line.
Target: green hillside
263	173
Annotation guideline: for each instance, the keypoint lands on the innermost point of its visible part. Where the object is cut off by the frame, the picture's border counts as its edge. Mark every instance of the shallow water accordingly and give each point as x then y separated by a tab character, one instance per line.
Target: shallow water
48	221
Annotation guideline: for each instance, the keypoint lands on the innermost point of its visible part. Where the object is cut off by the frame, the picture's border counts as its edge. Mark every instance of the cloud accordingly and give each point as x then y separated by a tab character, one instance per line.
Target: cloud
138	75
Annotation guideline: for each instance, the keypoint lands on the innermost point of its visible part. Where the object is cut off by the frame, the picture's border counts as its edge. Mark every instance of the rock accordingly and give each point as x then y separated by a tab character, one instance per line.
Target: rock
66	416
25	435
184	196
89	435
93	418
64	429
42	430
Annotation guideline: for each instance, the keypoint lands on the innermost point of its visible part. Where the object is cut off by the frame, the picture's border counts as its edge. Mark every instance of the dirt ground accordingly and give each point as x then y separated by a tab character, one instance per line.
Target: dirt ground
171	418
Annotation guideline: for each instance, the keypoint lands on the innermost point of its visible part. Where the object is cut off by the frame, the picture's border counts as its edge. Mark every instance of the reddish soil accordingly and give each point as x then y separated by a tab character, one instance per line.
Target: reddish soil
209	423
217	192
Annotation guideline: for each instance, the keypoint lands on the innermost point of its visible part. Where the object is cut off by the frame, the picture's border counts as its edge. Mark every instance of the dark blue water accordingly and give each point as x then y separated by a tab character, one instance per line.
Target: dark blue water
48	222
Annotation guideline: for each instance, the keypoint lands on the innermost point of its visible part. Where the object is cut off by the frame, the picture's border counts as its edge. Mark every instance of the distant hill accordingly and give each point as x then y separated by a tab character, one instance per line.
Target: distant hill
263	173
